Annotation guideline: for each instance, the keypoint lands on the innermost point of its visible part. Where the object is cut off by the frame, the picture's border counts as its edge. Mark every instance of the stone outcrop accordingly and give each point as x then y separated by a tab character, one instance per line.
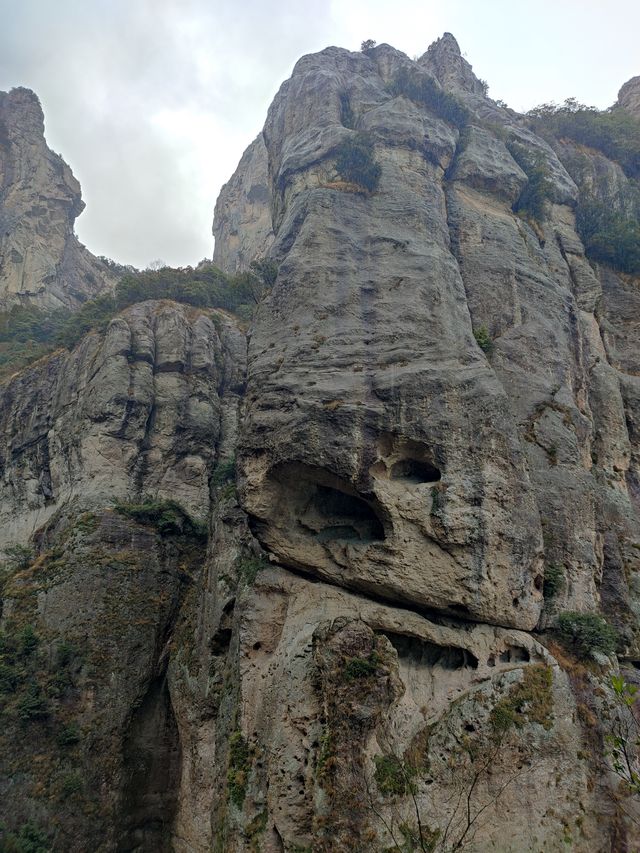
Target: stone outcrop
42	263
108	466
434	411
134	412
242	221
444	60
629	96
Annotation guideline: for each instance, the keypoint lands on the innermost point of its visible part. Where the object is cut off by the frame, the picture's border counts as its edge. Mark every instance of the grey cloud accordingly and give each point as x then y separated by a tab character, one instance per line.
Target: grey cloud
111	75
153	101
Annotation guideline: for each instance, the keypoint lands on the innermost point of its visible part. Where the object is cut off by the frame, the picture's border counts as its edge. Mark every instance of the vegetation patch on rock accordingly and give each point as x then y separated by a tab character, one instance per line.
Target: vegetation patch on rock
422	89
355	163
615	132
586	633
167	517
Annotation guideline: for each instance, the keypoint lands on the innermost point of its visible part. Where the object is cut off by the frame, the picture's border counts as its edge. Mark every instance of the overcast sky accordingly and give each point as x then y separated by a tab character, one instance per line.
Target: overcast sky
152	102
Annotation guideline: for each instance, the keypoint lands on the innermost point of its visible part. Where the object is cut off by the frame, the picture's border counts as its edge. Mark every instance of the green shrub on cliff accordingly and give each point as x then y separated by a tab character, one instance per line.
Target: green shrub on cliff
422	89
483	339
28	333
610	236
615	132
27	839
553	580
537	191
355	162
585	633
394	776
239	768
167	517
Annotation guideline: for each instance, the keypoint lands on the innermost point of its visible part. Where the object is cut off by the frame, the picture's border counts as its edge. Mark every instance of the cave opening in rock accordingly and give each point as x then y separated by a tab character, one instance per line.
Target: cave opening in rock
431	654
405	460
515	654
324	506
414	471
337	515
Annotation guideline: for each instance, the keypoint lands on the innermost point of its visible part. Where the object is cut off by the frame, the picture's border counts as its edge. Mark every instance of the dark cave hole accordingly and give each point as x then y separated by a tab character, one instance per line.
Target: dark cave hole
344	516
462	609
431	654
515	654
325	506
220	641
414	471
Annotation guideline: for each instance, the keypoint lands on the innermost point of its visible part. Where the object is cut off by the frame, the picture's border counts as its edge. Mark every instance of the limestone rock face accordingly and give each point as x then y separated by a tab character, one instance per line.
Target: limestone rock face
107	473
444	60
629	96
41	261
132	413
242	220
435	409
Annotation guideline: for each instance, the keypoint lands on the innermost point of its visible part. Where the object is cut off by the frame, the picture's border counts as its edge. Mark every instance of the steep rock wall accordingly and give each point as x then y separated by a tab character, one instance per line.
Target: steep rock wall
42	262
242	219
134	412
358	661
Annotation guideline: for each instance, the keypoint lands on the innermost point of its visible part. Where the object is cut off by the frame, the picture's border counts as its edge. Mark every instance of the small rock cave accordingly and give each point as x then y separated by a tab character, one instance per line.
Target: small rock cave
515	654
336	515
405	460
327	507
414	471
431	654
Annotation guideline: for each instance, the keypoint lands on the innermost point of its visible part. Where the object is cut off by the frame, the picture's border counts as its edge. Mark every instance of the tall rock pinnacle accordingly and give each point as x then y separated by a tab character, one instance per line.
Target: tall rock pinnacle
42	262
444	59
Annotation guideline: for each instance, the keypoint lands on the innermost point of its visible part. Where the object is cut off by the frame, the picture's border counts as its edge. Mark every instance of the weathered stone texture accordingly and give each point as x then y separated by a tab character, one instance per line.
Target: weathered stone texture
242	221
629	96
437	402
132	413
42	262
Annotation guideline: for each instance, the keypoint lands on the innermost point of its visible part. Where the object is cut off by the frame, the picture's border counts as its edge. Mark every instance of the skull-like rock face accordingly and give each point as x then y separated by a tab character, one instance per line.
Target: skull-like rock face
378	448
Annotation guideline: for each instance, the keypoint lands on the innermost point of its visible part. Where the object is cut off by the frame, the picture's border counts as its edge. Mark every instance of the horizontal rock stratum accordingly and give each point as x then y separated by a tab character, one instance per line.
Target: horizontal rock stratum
294	584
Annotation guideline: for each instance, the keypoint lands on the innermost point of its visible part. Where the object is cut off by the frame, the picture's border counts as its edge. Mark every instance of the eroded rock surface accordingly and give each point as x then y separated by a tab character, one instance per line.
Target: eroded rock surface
132	413
436	406
629	96
42	262
378	363
242	221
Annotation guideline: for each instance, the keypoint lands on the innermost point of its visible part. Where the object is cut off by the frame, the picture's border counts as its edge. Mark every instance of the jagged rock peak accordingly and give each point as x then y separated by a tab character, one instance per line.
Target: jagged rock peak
242	218
41	261
24	105
444	59
629	96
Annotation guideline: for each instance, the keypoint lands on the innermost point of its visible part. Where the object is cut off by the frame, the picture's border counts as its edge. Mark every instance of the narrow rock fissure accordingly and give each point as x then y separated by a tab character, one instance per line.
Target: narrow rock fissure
152	762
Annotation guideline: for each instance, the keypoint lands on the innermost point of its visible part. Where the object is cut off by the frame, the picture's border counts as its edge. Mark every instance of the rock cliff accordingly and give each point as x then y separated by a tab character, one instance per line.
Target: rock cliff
42	262
303	583
629	96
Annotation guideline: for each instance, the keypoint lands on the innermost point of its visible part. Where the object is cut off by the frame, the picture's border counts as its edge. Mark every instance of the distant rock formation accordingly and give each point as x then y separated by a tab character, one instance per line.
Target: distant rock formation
629	96
42	263
242	220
